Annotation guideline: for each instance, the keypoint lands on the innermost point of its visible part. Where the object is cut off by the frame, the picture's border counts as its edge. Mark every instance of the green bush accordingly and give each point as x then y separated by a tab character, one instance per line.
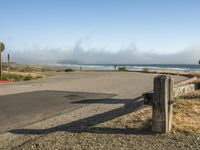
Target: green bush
17	77
69	70
12	77
122	69
145	70
27	78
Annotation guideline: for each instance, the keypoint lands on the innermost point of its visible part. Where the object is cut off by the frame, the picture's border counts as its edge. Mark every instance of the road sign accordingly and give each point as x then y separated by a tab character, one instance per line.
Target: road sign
2	47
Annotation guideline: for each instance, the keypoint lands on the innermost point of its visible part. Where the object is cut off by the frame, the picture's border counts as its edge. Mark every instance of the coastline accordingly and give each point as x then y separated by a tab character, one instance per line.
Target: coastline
41	71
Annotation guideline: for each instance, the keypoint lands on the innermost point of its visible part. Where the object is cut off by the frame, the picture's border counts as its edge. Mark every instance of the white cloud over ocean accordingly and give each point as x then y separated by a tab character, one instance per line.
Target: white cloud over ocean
127	55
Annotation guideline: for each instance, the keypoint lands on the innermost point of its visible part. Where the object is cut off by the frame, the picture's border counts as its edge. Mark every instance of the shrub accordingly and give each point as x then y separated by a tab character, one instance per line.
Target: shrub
27	78
18	77
145	70
13	77
26	69
122	69
69	70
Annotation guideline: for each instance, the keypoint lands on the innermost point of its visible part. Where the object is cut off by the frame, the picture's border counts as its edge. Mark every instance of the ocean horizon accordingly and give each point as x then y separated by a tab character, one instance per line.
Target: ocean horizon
138	67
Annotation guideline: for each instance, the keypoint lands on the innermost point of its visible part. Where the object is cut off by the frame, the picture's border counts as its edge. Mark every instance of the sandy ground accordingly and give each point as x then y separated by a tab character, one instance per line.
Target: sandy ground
71	130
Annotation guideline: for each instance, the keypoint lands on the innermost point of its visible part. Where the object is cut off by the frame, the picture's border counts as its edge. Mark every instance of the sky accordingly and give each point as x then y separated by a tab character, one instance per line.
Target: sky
101	31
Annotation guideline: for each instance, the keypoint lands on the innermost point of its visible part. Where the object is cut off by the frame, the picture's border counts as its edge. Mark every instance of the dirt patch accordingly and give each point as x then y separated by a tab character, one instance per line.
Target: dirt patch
139	120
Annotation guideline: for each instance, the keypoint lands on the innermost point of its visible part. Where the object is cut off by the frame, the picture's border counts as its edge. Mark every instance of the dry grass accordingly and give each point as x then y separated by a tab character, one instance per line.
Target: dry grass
33	74
17	72
33	68
187	113
14	76
170	72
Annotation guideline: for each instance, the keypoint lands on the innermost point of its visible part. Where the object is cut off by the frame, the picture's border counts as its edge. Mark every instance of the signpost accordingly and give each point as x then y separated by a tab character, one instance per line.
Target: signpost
2	48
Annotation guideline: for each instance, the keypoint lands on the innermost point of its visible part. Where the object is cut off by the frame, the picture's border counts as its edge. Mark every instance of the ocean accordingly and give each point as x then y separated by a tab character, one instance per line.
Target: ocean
138	67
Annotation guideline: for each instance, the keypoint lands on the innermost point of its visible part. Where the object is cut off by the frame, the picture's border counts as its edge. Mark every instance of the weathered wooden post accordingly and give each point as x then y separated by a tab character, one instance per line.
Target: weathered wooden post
162	104
115	66
2	47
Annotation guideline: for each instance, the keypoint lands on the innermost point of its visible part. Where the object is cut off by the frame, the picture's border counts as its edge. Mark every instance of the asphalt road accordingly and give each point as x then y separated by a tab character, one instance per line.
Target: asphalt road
28	102
24	108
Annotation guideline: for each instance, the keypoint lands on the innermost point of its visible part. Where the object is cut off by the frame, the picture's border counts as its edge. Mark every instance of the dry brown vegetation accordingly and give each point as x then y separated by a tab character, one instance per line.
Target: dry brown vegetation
29	72
187	113
16	76
32	68
186	117
170	72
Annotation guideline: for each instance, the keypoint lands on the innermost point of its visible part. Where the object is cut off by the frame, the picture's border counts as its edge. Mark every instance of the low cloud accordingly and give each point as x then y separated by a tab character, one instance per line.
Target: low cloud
126	55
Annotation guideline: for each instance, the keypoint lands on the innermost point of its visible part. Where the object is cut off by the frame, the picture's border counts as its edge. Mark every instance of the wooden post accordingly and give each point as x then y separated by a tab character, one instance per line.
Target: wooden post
115	66
9	61
2	47
0	62
162	104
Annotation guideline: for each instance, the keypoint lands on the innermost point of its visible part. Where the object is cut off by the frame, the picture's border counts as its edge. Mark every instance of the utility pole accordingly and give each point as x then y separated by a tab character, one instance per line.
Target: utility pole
2	47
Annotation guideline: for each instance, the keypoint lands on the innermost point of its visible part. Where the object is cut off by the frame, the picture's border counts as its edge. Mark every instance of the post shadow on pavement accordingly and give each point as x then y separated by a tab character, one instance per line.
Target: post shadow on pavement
103	101
20	109
86	124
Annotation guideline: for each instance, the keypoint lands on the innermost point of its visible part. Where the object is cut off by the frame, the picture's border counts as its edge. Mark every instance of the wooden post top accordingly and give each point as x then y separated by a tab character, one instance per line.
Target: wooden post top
162	77
2	47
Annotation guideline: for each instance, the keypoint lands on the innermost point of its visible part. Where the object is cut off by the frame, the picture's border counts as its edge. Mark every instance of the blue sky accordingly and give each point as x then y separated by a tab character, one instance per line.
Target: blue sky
158	26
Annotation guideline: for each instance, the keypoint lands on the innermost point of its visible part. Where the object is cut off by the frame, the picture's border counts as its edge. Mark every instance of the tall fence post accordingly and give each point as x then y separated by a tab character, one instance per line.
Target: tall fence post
162	104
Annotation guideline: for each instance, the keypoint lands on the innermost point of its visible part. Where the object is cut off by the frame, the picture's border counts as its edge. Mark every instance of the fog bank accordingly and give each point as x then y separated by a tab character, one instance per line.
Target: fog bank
127	55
